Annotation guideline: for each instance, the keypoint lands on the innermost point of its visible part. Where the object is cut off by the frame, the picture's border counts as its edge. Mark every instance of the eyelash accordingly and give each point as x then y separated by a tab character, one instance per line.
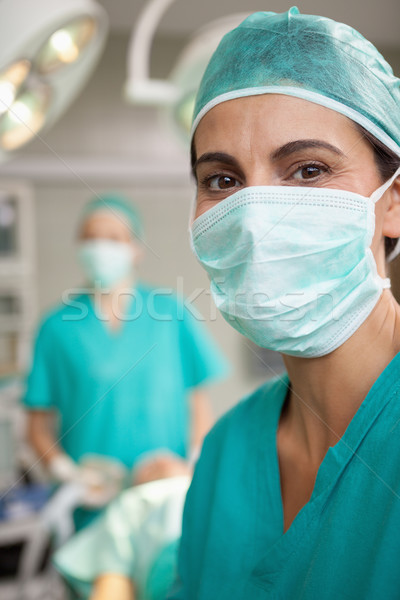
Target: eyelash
205	181
310	163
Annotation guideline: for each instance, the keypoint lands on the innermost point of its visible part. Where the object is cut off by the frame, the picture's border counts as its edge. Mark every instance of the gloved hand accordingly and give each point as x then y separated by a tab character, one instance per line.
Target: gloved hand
96	489
63	469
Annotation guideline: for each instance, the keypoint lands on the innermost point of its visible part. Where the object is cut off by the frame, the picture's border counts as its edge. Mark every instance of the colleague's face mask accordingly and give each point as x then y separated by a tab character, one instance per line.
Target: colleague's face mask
105	262
291	268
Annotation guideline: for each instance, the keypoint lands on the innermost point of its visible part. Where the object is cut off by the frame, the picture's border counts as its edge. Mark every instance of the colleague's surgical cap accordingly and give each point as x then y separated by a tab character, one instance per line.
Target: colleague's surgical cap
118	206
308	57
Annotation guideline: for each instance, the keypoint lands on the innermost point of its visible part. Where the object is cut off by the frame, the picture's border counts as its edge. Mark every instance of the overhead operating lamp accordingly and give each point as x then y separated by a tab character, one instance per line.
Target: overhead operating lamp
48	49
175	96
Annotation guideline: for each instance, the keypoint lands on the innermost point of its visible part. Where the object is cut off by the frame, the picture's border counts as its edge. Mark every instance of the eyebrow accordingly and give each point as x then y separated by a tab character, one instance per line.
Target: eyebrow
282	152
297	145
220	157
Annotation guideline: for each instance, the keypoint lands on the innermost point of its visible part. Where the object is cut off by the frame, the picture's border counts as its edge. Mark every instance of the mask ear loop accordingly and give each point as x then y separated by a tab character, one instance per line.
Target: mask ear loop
377	195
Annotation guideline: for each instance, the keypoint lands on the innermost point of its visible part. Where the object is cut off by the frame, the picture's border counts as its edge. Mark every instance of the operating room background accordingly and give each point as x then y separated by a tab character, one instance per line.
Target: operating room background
102	143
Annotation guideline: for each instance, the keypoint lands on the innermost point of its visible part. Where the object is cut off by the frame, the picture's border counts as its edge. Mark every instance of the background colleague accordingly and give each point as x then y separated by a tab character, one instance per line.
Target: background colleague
122	366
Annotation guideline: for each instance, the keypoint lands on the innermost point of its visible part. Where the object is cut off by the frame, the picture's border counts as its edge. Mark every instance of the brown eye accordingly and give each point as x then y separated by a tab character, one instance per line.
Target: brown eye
310	172
222	182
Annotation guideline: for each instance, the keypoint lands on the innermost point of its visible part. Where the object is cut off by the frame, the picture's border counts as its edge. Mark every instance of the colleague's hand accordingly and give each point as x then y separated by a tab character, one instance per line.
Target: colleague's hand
63	469
161	467
97	491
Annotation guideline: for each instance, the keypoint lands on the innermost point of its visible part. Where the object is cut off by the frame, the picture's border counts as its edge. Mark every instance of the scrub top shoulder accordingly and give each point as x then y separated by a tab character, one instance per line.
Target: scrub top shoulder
122	393
344	543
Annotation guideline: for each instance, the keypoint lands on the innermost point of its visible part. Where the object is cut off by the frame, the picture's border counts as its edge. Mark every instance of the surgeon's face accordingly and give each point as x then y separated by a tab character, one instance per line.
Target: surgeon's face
103	225
281	140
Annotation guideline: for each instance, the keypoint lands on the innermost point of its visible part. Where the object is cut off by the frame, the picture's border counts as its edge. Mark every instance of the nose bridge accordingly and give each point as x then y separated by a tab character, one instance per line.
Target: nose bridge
255	159
260	172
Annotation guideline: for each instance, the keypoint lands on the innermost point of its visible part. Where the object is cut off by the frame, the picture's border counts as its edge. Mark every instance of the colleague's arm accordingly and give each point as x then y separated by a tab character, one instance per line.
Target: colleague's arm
40	434
112	585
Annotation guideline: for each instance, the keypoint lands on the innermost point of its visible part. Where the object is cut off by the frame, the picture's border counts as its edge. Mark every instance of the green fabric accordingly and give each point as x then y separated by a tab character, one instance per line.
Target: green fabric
344	543
121	394
117	205
305	54
137	536
162	572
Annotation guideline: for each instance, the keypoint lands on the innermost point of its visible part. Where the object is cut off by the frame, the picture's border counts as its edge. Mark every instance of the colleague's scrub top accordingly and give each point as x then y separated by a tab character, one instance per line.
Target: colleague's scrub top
344	543
122	393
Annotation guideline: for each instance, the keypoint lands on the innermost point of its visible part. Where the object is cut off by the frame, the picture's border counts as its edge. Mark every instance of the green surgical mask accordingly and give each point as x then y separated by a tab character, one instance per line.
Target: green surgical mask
106	262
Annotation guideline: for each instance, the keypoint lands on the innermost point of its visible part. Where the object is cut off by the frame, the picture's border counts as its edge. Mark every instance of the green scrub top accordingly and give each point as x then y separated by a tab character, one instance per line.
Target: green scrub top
122	393
344	543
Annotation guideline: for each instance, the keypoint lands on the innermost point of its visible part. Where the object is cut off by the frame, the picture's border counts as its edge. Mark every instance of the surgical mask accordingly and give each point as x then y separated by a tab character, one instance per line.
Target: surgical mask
291	268
105	262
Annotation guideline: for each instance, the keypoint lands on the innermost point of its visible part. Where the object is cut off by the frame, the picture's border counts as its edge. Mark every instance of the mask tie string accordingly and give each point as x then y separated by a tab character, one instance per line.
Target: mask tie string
377	194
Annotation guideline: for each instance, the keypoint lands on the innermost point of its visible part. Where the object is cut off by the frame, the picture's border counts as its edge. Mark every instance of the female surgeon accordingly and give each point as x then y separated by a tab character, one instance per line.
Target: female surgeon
121	365
296	154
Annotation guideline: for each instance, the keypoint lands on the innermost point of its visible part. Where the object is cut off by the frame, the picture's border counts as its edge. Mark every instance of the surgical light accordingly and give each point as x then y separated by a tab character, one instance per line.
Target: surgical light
65	45
24	118
10	81
49	48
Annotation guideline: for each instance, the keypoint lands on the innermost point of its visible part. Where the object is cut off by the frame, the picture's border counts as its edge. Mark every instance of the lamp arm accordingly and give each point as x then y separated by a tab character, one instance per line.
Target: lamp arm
140	88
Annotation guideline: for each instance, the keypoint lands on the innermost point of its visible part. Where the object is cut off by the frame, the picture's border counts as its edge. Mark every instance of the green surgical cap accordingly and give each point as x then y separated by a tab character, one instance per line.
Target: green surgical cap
120	207
308	57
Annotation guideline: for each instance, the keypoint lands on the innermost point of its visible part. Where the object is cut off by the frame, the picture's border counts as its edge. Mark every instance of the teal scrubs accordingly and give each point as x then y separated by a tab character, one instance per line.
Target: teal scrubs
122	393
344	543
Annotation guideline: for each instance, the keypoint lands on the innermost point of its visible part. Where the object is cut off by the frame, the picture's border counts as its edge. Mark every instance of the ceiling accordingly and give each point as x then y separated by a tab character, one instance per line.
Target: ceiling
378	21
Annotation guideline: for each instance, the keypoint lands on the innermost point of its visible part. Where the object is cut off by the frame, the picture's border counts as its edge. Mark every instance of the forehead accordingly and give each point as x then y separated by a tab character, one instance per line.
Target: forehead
271	120
105	221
